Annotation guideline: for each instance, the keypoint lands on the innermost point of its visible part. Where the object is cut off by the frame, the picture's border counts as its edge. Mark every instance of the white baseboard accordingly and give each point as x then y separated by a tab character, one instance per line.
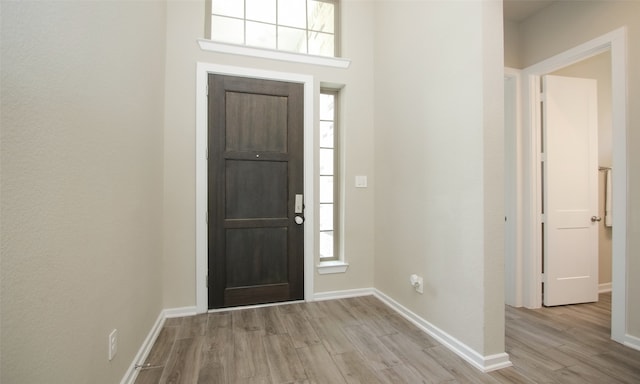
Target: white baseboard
483	363
632	341
605	287
179	312
343	294
132	373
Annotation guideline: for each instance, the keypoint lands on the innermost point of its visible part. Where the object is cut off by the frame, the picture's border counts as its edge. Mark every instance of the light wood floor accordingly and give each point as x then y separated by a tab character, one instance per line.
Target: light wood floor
360	340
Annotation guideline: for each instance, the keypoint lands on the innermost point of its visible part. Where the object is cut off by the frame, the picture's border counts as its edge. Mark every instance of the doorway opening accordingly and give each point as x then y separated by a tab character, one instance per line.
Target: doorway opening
615	43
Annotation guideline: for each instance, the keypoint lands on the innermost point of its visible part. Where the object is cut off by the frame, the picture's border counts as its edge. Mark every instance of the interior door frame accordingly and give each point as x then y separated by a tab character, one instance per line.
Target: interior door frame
513	187
616	43
203	70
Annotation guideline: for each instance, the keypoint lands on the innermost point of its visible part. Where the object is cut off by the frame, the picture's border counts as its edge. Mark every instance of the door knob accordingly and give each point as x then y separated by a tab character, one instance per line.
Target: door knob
299	220
595	218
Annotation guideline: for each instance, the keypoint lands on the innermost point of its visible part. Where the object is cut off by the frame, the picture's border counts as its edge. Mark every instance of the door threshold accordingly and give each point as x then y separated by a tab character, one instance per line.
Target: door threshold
279	303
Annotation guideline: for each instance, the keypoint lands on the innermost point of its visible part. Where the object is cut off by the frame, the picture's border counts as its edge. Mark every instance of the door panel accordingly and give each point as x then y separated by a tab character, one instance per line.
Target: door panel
255	170
571	171
256	189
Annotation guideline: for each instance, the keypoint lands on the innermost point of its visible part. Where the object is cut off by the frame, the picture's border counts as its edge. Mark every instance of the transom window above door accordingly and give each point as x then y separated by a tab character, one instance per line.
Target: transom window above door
302	26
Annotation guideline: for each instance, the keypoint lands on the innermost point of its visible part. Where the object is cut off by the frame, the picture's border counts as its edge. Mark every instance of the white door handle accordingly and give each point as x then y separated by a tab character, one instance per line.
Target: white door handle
299	220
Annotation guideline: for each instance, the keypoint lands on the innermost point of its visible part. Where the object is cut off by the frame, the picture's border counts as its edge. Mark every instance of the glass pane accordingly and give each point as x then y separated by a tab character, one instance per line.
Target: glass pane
261	10
292	13
326	189
326	161
227	30
261	35
326	244
326	134
321	16
326	217
326	106
321	44
233	8
290	39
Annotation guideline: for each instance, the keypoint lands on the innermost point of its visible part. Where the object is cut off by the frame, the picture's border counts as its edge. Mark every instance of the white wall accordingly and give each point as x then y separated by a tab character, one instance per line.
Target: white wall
548	33
439	169
185	20
82	87
511	44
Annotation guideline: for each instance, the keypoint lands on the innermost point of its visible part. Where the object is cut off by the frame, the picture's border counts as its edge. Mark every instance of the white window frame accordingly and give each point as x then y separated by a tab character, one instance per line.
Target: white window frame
337	263
332	61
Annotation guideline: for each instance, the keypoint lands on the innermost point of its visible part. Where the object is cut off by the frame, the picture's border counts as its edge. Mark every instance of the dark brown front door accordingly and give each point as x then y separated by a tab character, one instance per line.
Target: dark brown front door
255	172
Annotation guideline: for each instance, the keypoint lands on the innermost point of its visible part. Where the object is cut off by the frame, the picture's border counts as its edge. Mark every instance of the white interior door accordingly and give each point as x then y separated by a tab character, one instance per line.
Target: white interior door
570	193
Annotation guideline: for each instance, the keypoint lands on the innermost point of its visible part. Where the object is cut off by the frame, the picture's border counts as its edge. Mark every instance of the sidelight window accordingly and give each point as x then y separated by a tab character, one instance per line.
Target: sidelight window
302	26
329	191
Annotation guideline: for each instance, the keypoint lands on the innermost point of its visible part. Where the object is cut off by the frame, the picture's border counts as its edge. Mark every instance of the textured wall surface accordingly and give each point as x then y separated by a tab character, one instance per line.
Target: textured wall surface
82	93
439	194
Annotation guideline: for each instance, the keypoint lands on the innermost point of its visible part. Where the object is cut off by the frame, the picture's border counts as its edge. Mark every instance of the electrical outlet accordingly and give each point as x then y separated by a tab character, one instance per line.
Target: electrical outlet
113	344
417	282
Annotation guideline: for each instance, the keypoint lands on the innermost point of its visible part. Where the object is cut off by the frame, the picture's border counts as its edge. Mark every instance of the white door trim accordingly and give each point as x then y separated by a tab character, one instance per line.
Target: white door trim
616	42
513	187
202	72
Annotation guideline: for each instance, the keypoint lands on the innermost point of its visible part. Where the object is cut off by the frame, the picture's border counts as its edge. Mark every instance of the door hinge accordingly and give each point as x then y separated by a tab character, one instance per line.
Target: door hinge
207	89
206	153
543	218
542	276
207	281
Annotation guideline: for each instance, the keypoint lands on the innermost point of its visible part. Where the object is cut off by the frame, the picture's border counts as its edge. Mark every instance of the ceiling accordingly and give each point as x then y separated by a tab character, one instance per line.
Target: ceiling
518	10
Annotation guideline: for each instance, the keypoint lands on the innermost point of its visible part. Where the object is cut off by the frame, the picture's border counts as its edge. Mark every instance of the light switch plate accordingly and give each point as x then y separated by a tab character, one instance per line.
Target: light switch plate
361	181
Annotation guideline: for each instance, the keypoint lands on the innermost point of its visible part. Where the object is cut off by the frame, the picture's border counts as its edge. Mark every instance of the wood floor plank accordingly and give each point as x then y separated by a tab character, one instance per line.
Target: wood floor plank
300	330
402	373
355	369
249	356
458	368
184	362
404	326
193	326
149	375
614	369
370	317
510	376
273	321
319	366
212	372
331	335
580	374
315	310
173	321
218	357
337	310
247	320
411	353
284	364
378	355
162	347
218	320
